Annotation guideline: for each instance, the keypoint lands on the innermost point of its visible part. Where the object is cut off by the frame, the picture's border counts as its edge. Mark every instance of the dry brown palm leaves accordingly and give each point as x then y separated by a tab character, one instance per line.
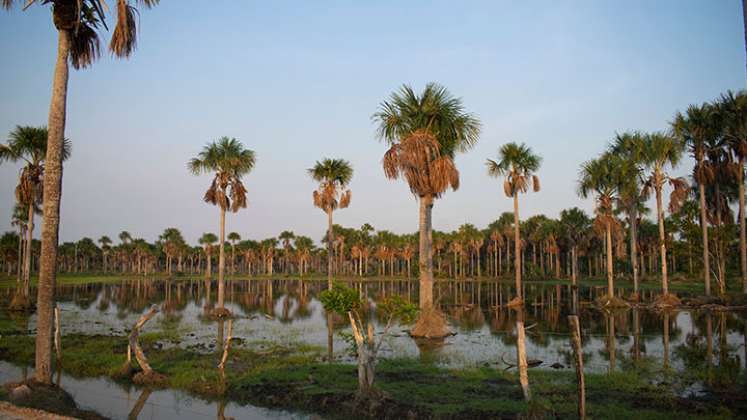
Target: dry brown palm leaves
417	158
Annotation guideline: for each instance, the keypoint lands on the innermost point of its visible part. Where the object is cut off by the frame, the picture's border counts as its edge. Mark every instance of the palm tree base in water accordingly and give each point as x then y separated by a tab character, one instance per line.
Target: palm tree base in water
430	324
667	301
608	301
634	297
220	313
515	302
151	379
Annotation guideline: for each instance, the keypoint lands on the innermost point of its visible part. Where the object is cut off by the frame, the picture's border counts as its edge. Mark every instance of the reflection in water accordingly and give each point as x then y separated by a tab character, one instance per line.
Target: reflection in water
116	401
139	404
287	312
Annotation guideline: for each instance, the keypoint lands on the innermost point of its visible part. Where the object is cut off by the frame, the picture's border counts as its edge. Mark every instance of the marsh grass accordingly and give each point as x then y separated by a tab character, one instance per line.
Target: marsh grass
295	378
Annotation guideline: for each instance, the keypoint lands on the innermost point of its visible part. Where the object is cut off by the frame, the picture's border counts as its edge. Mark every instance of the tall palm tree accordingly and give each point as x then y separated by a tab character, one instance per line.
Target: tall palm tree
333	176
574	226
77	23
228	160
424	133
598	177
286	237
518	164
106	243
659	151
29	145
207	240
696	128
733	110
630	147
233	237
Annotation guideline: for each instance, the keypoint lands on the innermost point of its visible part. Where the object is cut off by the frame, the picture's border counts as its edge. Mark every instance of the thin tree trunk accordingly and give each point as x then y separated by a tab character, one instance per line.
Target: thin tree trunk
662	242
610	285
329	248
51	221
425	257
579	359
704	229
517	250
20	257
633	216
222	258
27	256
742	232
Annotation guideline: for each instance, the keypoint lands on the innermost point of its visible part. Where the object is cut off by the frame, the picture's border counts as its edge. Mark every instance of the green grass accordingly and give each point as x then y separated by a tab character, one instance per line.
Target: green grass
294	378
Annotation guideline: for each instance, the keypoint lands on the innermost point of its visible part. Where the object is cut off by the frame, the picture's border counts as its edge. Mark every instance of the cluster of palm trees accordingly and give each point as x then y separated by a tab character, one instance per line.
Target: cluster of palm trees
424	132
635	166
78	43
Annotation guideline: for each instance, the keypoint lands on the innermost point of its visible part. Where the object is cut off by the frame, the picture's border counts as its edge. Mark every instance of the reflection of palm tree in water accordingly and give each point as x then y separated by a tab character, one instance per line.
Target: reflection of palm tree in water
636	350
611	341
666	339
709	346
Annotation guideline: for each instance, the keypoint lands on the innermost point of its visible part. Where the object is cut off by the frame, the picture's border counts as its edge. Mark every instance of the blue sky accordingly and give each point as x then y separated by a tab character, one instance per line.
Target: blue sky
298	81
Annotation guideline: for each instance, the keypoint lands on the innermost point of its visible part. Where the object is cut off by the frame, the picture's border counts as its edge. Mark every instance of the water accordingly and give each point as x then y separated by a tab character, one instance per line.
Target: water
112	400
287	312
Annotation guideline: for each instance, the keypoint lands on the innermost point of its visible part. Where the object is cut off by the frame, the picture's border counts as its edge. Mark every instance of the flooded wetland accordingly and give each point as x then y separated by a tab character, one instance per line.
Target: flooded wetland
283	321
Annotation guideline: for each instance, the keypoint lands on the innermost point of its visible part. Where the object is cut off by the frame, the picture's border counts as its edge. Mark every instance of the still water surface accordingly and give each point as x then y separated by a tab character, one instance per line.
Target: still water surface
287	312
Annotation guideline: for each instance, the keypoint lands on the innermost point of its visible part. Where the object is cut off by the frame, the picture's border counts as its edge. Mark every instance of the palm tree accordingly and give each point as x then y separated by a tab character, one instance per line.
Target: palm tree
733	110
598	177
229	161
233	237
659	151
207	240
696	128
630	147
517	163
106	243
424	133
333	176
574	226
29	144
286	237
77	23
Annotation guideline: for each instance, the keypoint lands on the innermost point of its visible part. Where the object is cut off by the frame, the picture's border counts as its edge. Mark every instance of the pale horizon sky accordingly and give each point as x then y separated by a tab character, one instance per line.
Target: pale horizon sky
297	82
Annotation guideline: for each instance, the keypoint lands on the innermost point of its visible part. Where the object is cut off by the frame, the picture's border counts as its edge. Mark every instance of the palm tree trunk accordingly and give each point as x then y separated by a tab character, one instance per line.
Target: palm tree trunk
704	229
662	243
517	247
27	256
233	258
51	223
209	265
633	216
329	248
425	256
610	285
19	257
222	258
742	232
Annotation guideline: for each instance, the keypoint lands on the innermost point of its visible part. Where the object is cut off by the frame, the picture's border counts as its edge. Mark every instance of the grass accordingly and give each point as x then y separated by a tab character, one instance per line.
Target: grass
294	378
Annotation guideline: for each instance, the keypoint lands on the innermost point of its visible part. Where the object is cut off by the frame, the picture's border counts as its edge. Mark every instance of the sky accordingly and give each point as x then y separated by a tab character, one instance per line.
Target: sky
299	81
